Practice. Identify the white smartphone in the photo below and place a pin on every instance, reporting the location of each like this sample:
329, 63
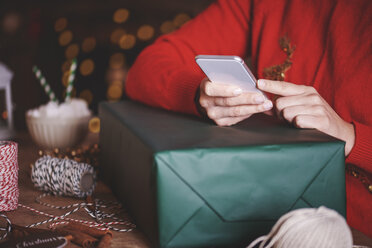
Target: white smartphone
228, 70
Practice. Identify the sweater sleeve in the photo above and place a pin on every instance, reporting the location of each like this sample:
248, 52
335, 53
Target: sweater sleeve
361, 154
165, 73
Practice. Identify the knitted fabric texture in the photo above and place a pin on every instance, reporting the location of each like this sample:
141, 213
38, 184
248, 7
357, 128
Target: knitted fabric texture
307, 228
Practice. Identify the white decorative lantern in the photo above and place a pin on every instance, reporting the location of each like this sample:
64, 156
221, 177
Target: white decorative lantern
5, 84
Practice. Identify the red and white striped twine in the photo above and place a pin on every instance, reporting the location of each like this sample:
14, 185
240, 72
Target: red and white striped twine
9, 192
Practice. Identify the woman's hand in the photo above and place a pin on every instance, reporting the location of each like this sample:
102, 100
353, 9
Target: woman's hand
305, 108
227, 104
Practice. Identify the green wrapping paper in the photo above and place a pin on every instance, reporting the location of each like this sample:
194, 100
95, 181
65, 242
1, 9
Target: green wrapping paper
189, 183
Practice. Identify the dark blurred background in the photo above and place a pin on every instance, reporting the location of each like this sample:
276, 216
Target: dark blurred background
104, 36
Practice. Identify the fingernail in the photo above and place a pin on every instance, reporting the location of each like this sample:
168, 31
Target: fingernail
237, 91
259, 99
261, 83
268, 105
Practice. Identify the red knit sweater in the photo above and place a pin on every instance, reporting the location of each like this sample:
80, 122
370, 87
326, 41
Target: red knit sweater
333, 53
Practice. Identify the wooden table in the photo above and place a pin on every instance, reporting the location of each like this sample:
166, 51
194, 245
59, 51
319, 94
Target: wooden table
28, 154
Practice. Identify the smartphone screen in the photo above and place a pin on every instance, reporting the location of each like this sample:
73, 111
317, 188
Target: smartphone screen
228, 70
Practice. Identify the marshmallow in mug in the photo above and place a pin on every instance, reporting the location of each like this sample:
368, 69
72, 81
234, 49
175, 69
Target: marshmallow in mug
74, 108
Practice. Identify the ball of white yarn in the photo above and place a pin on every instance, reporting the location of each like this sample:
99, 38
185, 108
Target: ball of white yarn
308, 228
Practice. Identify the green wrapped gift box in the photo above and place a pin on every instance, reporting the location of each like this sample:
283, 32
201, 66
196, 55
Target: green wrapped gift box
189, 183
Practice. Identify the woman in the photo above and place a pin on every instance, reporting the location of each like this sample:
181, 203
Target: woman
318, 52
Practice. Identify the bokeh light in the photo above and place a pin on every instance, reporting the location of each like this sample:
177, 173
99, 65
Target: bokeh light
121, 15
89, 44
116, 35
118, 74
86, 95
167, 27
86, 67
114, 92
118, 83
4, 115
94, 125
127, 41
181, 19
60, 24
66, 66
65, 78
145, 32
11, 22
65, 38
72, 51
117, 60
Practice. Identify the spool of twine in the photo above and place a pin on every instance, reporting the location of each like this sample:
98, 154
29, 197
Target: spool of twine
9, 192
308, 228
63, 177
